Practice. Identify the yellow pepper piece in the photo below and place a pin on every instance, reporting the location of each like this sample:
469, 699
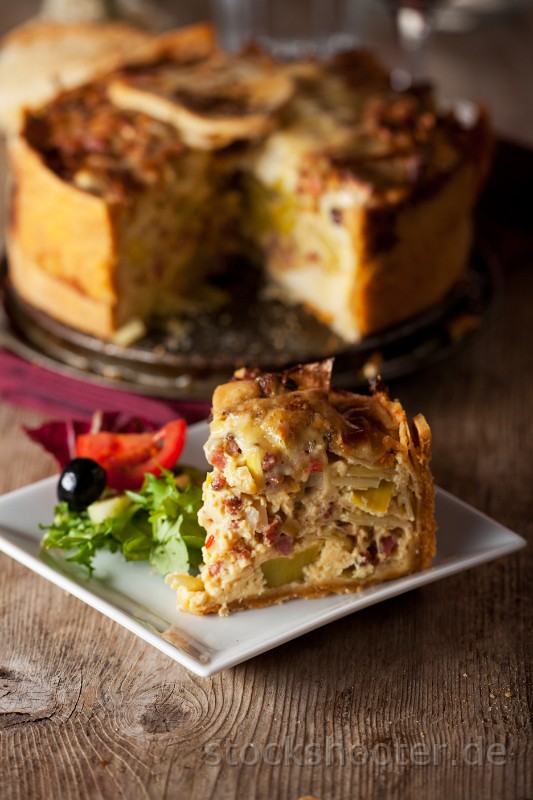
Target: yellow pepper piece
253, 462
375, 501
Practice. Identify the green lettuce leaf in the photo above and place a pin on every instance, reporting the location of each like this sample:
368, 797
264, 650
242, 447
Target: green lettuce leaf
160, 526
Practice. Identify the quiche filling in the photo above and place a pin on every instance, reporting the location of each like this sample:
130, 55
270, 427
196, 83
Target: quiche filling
313, 490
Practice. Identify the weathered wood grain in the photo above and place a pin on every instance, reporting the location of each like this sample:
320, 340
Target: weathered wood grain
88, 711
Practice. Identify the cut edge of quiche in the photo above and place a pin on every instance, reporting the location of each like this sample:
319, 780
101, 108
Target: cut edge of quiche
314, 490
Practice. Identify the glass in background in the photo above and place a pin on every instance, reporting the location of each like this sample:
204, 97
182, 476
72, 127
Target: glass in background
417, 20
288, 28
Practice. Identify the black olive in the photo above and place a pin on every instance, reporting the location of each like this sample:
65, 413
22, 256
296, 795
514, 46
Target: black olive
81, 483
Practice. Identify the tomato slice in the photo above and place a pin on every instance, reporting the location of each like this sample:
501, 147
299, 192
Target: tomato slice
126, 457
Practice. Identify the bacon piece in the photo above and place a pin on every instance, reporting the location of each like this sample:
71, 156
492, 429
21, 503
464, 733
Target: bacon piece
241, 552
371, 554
233, 503
269, 461
276, 538
217, 459
218, 482
231, 447
274, 480
272, 532
284, 544
388, 545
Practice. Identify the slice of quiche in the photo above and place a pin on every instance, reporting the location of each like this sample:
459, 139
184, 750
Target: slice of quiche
314, 490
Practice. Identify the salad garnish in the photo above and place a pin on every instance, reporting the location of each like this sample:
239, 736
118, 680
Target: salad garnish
121, 490
158, 524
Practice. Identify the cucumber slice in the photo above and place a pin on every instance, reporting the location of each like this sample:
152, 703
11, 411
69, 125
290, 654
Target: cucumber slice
108, 509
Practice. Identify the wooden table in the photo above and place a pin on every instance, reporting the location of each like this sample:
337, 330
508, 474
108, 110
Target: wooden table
402, 700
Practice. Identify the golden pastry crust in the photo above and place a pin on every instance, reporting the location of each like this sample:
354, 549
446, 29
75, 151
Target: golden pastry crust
93, 193
66, 234
314, 491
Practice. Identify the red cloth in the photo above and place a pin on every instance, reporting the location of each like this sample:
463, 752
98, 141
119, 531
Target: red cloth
61, 397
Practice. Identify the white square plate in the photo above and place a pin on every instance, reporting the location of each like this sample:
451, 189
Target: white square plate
136, 597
